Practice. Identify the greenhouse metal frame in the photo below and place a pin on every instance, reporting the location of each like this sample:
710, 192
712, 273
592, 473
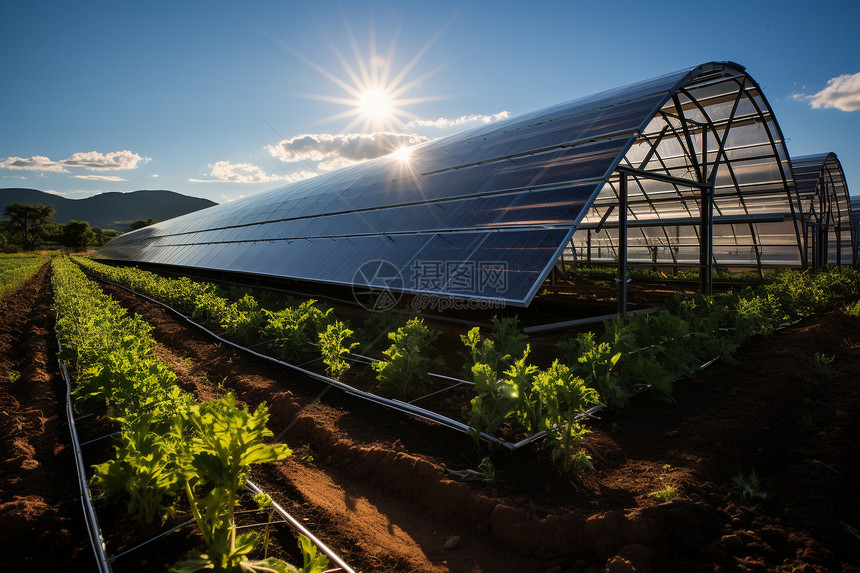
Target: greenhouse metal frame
828, 233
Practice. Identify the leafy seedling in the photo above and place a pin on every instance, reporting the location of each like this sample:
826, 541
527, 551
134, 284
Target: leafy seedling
667, 491
822, 366
751, 487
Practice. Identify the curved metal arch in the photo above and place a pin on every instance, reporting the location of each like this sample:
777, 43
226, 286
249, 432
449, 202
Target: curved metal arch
825, 207
760, 112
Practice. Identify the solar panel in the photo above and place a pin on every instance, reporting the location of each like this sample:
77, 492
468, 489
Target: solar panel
485, 212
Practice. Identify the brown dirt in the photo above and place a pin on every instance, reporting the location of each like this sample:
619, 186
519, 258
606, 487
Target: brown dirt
374, 484
40, 513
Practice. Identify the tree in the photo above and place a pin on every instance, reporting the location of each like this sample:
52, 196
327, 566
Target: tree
141, 223
78, 235
28, 223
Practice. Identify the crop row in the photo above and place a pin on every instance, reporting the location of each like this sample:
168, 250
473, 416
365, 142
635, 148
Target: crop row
16, 269
170, 450
512, 395
643, 352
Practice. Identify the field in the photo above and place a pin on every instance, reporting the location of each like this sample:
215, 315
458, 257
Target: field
750, 466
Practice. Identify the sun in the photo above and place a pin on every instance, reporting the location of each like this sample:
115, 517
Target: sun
375, 89
375, 104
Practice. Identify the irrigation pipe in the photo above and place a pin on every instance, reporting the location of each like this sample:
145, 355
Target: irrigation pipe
397, 405
92, 522
94, 530
301, 529
151, 539
408, 408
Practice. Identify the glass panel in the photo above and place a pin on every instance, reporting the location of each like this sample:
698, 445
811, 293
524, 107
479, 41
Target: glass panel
432, 267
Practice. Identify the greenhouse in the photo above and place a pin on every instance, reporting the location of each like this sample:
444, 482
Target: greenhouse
828, 235
687, 169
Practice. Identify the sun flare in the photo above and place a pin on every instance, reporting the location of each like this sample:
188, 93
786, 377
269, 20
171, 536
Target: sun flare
402, 154
374, 88
375, 104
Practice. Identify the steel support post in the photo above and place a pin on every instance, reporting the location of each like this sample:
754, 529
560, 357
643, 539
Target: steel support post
854, 239
622, 244
805, 258
838, 246
822, 245
588, 247
816, 255
706, 241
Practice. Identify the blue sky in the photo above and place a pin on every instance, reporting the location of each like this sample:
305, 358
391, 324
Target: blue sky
226, 99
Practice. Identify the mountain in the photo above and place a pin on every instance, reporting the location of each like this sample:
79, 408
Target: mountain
109, 210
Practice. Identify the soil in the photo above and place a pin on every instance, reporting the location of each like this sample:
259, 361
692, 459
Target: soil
40, 513
374, 484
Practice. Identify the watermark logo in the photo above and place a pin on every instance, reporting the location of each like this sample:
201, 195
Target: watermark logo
447, 285
467, 277
442, 303
377, 285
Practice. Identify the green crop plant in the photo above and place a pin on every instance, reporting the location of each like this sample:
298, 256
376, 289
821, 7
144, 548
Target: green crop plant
667, 491
647, 369
313, 561
853, 309
334, 344
226, 440
145, 468
209, 307
407, 364
509, 338
596, 365
291, 329
487, 468
822, 366
496, 400
757, 315
480, 350
264, 505
751, 487
564, 395
243, 319
111, 353
528, 404
320, 318
499, 351
665, 494
166, 444
15, 270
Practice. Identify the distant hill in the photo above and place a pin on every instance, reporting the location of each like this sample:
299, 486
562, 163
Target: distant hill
109, 210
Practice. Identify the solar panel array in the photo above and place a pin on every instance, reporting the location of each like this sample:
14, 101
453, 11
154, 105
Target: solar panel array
487, 213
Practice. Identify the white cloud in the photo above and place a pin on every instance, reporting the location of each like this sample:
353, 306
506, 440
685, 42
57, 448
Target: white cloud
842, 92
341, 150
155, 175
115, 160
35, 163
78, 193
100, 177
227, 172
90, 160
443, 122
82, 193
